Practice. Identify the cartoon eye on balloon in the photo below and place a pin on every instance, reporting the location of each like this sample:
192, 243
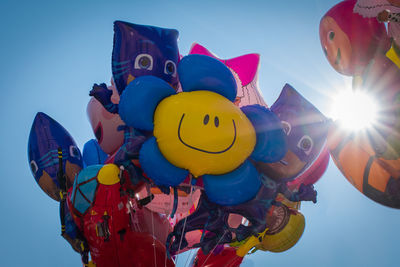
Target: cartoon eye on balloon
286, 127
201, 131
306, 144
144, 61
170, 68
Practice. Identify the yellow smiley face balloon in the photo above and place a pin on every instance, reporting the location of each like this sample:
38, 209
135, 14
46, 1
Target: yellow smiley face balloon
212, 138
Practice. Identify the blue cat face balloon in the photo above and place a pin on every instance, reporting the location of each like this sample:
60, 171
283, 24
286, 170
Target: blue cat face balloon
306, 129
144, 50
45, 138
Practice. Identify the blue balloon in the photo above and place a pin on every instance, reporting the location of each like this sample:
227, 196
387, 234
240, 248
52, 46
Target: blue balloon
200, 72
93, 154
156, 166
140, 99
233, 188
271, 143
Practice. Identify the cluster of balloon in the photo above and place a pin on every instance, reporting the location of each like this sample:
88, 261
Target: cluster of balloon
101, 210
305, 130
199, 162
357, 44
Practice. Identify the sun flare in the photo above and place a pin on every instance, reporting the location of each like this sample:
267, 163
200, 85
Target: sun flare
354, 110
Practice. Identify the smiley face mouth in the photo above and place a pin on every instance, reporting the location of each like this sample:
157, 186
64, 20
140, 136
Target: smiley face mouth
202, 150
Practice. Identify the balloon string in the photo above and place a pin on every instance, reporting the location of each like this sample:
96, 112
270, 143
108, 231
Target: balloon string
191, 201
154, 243
184, 223
214, 248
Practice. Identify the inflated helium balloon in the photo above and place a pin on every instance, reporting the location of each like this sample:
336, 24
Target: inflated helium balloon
131, 58
201, 132
374, 176
306, 130
105, 124
118, 229
93, 154
285, 228
225, 258
349, 40
245, 70
47, 136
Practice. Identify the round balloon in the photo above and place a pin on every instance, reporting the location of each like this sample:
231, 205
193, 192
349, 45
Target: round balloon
350, 41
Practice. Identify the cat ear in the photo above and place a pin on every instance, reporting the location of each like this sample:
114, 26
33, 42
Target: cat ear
289, 97
172, 33
302, 111
201, 50
245, 66
200, 72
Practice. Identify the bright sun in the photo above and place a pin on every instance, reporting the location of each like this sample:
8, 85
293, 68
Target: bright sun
354, 110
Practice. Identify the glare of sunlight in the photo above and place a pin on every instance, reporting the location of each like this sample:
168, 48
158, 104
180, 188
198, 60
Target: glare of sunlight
354, 110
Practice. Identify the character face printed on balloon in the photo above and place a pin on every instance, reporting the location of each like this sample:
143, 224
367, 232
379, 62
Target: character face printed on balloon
349, 40
144, 50
211, 134
306, 129
45, 138
336, 44
105, 124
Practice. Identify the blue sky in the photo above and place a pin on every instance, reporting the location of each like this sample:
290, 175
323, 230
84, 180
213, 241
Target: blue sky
51, 54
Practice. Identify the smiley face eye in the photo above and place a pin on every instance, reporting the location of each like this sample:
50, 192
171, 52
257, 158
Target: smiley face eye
144, 62
331, 35
286, 127
306, 144
34, 167
206, 119
216, 121
170, 68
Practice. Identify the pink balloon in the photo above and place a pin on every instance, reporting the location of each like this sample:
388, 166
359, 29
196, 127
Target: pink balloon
245, 70
104, 124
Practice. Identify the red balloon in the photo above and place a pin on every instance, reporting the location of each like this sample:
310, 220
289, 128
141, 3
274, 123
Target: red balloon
119, 232
226, 258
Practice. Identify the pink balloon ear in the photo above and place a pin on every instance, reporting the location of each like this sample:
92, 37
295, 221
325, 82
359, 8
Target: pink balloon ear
201, 50
245, 66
